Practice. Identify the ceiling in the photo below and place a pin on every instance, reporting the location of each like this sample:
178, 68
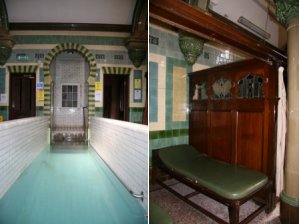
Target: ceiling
116, 12
258, 12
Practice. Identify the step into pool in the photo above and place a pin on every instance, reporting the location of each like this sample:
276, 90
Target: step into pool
69, 186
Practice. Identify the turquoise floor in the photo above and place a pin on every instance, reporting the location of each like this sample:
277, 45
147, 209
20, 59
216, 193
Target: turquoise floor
69, 186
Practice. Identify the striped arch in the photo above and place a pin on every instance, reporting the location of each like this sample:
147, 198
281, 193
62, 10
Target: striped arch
91, 79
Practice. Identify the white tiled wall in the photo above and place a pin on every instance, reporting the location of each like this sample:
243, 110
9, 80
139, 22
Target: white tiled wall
68, 117
20, 142
124, 147
69, 69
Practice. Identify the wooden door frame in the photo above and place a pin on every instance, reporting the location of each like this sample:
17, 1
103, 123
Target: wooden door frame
126, 93
33, 94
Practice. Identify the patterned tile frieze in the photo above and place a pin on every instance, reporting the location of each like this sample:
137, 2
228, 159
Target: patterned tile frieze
59, 39
117, 70
22, 68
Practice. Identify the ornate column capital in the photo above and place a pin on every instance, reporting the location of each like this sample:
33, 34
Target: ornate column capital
137, 49
191, 46
6, 41
6, 45
286, 10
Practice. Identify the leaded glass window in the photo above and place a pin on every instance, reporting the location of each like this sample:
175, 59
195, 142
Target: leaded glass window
222, 89
69, 95
251, 86
200, 91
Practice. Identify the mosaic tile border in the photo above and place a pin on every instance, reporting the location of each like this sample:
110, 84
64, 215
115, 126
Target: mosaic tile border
168, 133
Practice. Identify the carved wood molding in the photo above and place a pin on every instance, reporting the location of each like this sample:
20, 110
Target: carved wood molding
178, 14
71, 27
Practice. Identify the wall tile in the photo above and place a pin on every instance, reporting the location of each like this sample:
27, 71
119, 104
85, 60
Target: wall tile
20, 142
124, 146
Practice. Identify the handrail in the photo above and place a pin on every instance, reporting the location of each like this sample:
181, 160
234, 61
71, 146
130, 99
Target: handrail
141, 195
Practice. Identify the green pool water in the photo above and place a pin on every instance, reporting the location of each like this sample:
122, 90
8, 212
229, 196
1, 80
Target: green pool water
69, 186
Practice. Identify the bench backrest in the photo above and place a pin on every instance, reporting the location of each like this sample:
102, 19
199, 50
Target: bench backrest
232, 114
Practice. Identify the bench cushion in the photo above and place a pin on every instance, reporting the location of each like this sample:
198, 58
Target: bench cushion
227, 180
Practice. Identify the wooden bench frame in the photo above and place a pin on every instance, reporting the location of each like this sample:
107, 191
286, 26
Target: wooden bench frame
233, 205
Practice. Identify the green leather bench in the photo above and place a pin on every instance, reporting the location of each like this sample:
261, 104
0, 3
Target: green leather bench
157, 215
230, 184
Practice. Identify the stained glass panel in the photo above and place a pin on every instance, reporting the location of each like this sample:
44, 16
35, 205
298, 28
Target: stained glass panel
222, 89
200, 91
251, 86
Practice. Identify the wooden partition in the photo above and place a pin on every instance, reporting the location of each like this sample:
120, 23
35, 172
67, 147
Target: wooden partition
232, 114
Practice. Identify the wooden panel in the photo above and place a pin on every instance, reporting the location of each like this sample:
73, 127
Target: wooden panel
239, 130
220, 136
250, 140
198, 131
246, 120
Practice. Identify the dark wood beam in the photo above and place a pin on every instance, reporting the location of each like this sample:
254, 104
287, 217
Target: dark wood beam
140, 17
71, 27
178, 14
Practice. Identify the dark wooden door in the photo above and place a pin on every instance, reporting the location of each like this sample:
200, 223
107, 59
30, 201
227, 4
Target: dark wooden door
116, 97
21, 96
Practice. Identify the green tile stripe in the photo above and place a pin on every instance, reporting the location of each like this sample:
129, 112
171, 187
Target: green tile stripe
168, 133
84, 40
92, 66
22, 68
136, 109
117, 70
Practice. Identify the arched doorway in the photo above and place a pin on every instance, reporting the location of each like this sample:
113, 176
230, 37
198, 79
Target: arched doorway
69, 92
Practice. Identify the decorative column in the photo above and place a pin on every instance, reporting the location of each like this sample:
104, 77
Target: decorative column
6, 41
287, 12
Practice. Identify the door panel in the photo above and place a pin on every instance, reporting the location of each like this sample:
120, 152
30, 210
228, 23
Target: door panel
116, 95
22, 96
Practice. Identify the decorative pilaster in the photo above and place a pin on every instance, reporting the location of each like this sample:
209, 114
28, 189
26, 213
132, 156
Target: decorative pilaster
287, 12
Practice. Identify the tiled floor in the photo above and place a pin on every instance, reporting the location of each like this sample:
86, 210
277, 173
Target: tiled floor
183, 213
69, 186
